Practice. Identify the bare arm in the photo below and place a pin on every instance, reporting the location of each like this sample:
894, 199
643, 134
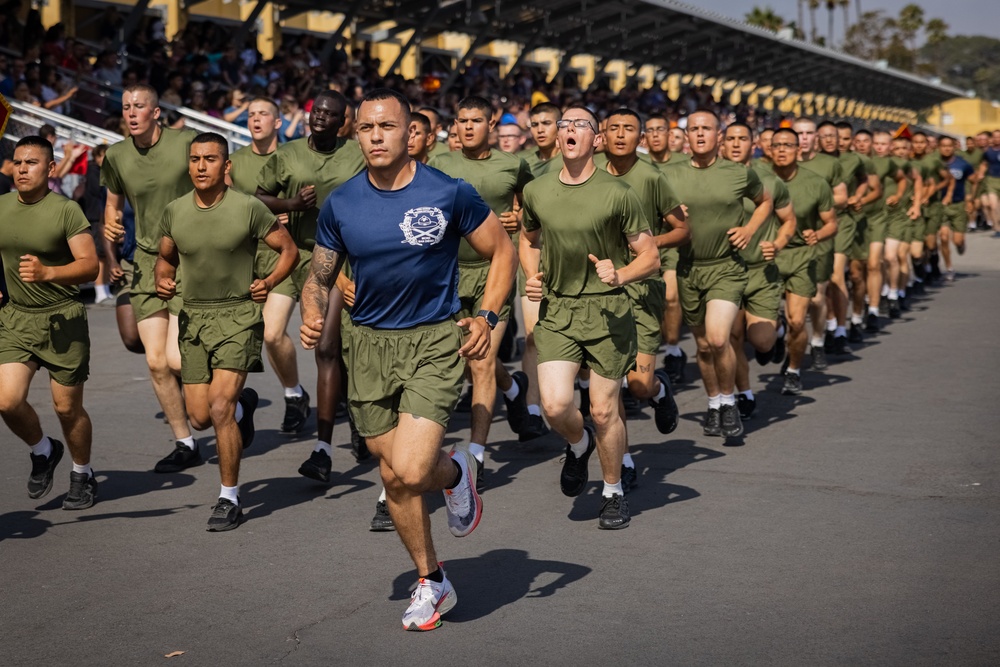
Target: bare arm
840, 196
82, 269
740, 237
323, 271
829, 228
874, 190
304, 200
680, 233
114, 230
786, 232
530, 254
491, 241
235, 113
165, 270
279, 240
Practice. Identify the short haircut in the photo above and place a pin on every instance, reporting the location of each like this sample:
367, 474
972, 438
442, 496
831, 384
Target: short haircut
213, 138
476, 103
945, 137
382, 94
581, 107
426, 110
880, 133
336, 97
269, 101
46, 130
545, 107
918, 134
154, 97
422, 120
803, 119
766, 130
710, 112
625, 111
865, 132
743, 125
98, 151
786, 130
826, 123
657, 116
844, 125
37, 142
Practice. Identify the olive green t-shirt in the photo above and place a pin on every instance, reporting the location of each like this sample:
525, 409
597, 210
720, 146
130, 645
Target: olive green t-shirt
853, 168
246, 169
932, 167
601, 159
714, 199
811, 195
974, 157
673, 157
537, 165
761, 165
885, 168
497, 178
826, 166
595, 217
42, 229
295, 165
655, 195
150, 178
217, 245
752, 254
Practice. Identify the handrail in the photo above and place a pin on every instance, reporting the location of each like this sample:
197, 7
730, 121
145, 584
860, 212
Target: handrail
67, 124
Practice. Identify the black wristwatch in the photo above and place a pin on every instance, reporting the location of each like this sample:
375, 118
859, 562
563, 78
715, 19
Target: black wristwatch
491, 318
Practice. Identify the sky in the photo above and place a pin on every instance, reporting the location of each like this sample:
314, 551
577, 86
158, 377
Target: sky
965, 17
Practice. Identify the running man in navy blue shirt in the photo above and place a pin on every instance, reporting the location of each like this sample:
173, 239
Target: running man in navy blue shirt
989, 182
399, 224
959, 208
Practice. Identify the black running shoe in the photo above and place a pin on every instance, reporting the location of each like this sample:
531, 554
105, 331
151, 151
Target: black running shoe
296, 413
630, 479
883, 307
317, 466
894, 311
42, 470
517, 410
585, 402
534, 427
764, 358
918, 288
819, 362
713, 422
871, 323
359, 446
665, 412
840, 347
732, 425
382, 522
82, 491
632, 405
793, 384
854, 335
480, 476
614, 513
574, 474
181, 458
904, 303
747, 406
779, 347
828, 342
226, 515
248, 399
674, 366
464, 404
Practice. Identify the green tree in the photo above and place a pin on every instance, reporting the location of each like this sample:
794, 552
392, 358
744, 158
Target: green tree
868, 38
966, 62
911, 20
765, 18
813, 6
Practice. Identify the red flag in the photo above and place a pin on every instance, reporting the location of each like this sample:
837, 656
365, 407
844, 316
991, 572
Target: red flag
5, 114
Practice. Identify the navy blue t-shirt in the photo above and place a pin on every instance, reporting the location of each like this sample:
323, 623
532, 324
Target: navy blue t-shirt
960, 171
402, 245
992, 157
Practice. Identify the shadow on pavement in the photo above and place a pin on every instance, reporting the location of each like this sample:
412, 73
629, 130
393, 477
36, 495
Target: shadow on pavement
26, 524
263, 497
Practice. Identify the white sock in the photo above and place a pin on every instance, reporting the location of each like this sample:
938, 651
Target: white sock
580, 448
612, 489
477, 450
840, 332
624, 383
188, 442
793, 371
857, 319
511, 394
101, 292
230, 493
661, 393
831, 324
885, 290
893, 294
627, 461
715, 402
748, 393
873, 310
324, 447
673, 350
534, 409
43, 447
294, 392
84, 469
584, 384
381, 496
239, 412
816, 341
727, 399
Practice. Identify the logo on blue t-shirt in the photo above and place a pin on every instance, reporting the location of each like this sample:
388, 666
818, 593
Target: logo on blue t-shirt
423, 226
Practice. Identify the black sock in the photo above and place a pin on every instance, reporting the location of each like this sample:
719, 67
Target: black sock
458, 475
437, 576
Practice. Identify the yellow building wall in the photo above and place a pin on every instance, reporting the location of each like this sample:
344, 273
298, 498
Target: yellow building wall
965, 117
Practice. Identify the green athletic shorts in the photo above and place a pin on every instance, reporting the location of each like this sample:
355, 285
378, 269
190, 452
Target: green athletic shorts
859, 251
472, 288
933, 218
762, 297
416, 371
878, 224
142, 290
124, 293
723, 279
267, 259
669, 259
899, 225
55, 337
955, 217
797, 267
649, 299
824, 260
847, 226
226, 334
596, 330
992, 185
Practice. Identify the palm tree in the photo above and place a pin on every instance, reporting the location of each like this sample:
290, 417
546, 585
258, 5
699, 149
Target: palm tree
765, 18
813, 6
830, 6
857, 4
846, 6
800, 25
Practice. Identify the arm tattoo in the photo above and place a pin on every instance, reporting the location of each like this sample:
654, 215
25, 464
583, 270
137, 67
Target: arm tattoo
323, 272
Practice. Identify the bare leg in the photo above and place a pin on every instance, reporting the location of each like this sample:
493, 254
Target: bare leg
154, 333
328, 368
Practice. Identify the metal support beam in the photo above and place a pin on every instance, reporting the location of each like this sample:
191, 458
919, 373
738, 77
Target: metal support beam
563, 64
525, 50
418, 34
337, 38
481, 38
132, 23
241, 34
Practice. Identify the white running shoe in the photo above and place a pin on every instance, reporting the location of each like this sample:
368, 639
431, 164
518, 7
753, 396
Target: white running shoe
465, 507
428, 603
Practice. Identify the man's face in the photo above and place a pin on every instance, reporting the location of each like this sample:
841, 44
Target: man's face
263, 121
139, 113
829, 142
920, 145
418, 141
863, 144
947, 148
576, 141
454, 142
657, 135
474, 127
326, 117
844, 139
348, 128
383, 132
784, 149
995, 139
703, 133
675, 140
807, 136
882, 144
736, 144
982, 140
765, 141
932, 144
206, 166
543, 129
32, 168
510, 138
622, 135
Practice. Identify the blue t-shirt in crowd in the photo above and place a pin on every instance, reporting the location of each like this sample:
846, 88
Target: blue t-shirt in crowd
402, 245
128, 242
992, 157
960, 171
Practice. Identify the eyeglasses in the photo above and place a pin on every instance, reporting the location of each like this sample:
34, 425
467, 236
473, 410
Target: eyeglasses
779, 146
579, 124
